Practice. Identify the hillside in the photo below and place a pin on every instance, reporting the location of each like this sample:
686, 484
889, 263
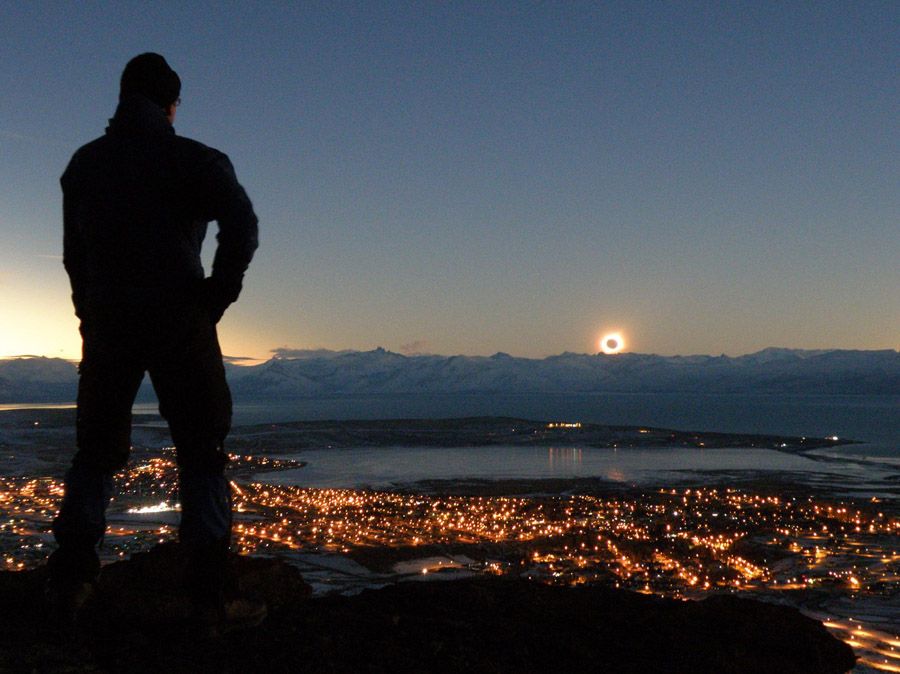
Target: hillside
137, 624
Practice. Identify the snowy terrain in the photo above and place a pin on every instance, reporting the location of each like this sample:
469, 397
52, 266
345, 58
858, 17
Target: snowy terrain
322, 372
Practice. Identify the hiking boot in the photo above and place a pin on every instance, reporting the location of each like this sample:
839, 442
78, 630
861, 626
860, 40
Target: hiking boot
232, 616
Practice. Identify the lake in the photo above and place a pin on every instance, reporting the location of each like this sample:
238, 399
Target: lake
389, 467
874, 419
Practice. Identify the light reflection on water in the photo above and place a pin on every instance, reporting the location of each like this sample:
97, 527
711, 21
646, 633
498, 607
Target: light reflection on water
563, 459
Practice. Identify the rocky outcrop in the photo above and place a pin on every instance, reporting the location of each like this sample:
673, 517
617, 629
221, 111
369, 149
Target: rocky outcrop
136, 623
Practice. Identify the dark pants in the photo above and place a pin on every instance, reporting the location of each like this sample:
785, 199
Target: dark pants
176, 343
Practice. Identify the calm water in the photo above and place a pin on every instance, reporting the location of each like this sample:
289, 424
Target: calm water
874, 419
386, 467
864, 469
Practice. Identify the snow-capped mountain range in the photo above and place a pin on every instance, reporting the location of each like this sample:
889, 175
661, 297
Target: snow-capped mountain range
333, 373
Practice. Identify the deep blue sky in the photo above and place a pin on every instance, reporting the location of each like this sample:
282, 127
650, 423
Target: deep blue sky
479, 177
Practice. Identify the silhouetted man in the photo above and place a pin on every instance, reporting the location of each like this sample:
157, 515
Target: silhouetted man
136, 203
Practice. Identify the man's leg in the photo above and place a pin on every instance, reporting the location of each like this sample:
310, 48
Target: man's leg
189, 379
108, 383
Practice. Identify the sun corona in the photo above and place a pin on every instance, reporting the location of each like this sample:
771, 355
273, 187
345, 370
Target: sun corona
612, 343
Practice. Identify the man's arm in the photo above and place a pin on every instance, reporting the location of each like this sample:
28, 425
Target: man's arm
237, 237
73, 250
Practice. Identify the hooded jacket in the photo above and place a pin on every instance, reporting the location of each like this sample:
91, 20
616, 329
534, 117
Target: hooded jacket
136, 204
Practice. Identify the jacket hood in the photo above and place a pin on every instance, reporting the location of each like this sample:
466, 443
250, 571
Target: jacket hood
138, 115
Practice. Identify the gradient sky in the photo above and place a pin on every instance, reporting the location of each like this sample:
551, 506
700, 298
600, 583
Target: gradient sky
476, 177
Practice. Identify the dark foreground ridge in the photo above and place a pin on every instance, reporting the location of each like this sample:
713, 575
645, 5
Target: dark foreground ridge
137, 623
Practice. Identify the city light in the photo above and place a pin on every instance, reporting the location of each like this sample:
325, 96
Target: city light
679, 543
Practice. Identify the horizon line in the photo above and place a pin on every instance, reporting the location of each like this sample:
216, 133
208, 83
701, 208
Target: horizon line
301, 354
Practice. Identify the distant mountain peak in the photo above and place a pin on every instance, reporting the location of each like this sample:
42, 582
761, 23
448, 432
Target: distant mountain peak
322, 372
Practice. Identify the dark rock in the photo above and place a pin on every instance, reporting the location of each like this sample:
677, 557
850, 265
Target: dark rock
137, 624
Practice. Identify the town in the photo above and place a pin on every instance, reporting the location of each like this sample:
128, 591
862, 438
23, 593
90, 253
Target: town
815, 553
